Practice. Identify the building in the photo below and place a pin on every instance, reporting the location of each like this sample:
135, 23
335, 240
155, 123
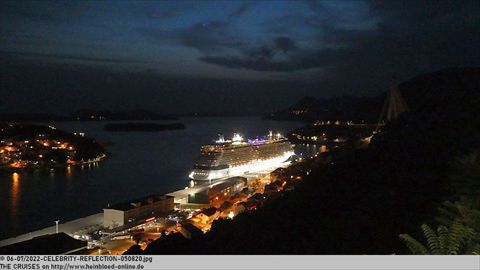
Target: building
137, 210
208, 215
190, 231
273, 187
219, 192
240, 208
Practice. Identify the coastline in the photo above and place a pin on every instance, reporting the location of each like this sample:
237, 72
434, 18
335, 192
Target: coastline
70, 227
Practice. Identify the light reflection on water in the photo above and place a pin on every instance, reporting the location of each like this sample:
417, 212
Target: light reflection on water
15, 192
140, 163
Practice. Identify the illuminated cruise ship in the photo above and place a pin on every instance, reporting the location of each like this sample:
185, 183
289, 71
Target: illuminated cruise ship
235, 157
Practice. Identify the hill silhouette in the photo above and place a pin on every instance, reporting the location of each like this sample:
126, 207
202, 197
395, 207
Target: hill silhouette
362, 201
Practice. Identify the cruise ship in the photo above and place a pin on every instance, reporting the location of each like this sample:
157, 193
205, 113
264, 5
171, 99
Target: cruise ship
235, 157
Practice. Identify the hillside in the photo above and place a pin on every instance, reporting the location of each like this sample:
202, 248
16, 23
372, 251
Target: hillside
423, 93
363, 201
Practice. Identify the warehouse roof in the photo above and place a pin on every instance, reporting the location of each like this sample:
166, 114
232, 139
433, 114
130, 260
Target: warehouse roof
139, 202
59, 243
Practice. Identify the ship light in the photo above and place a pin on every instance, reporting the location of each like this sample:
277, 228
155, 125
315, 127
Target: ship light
221, 139
237, 137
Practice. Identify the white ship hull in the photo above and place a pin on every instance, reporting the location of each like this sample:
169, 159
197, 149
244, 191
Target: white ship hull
251, 167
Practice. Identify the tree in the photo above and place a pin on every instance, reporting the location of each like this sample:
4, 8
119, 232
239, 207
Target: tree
465, 178
137, 238
466, 211
456, 239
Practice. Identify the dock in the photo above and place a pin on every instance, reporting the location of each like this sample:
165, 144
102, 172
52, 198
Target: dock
76, 228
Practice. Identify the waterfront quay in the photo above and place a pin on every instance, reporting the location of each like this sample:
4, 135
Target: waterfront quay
104, 239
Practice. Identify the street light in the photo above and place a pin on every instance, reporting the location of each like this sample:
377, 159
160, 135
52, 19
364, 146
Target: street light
56, 225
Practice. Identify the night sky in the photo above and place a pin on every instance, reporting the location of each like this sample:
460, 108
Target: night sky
182, 56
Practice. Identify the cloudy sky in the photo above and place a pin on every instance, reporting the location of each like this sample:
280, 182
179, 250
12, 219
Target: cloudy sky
334, 47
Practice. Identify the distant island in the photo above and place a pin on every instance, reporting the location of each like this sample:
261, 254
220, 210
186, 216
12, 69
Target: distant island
26, 146
132, 115
150, 127
87, 115
108, 115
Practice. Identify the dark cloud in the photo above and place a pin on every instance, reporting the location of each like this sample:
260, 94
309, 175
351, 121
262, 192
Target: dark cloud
46, 11
263, 58
207, 37
409, 38
300, 61
285, 44
262, 52
243, 8
258, 64
61, 57
358, 44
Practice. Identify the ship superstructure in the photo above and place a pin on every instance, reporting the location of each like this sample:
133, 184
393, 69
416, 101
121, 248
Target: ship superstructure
235, 157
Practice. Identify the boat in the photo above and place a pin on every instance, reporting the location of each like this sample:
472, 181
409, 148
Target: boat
236, 157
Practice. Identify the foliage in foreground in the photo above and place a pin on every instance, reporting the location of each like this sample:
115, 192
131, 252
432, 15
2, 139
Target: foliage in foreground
459, 229
456, 239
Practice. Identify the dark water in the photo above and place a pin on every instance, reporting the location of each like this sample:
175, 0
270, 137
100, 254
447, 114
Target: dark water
141, 163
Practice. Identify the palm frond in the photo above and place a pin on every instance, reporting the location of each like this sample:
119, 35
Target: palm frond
414, 246
432, 239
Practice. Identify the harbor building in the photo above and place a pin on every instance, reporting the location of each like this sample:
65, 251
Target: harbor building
122, 214
219, 192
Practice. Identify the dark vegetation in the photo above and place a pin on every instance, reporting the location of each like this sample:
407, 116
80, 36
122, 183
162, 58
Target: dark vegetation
364, 199
143, 126
345, 108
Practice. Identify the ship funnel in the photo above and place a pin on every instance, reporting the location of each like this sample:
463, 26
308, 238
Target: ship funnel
237, 137
221, 139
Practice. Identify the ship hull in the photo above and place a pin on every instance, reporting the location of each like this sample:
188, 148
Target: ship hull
251, 167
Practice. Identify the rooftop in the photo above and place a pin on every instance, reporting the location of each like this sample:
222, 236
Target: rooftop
209, 211
124, 206
59, 243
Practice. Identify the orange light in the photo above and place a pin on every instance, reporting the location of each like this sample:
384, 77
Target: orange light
18, 165
10, 148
